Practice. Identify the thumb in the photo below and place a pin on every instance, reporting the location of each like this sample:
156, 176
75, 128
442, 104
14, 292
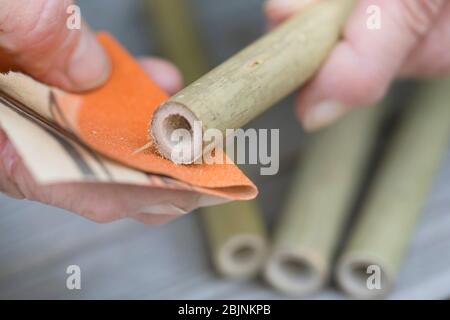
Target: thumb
35, 34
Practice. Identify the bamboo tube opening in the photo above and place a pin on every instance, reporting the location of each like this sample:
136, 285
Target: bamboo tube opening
241, 256
253, 80
355, 277
169, 118
295, 273
244, 254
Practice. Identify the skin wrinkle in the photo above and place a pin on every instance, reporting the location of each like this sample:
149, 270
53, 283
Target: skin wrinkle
417, 16
41, 44
434, 47
45, 34
42, 40
5, 17
67, 46
21, 22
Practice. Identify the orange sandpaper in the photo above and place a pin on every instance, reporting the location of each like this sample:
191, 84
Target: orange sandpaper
114, 120
6, 62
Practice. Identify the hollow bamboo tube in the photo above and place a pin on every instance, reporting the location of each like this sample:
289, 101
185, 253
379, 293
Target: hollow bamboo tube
243, 87
394, 203
235, 232
236, 237
321, 196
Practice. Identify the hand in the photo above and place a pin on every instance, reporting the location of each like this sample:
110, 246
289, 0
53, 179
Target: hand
414, 41
34, 34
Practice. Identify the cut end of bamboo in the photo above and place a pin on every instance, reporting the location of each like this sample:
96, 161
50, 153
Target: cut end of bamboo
168, 118
242, 256
356, 276
296, 273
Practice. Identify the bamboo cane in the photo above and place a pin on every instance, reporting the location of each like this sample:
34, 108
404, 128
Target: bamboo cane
236, 237
321, 197
178, 36
243, 87
235, 232
394, 204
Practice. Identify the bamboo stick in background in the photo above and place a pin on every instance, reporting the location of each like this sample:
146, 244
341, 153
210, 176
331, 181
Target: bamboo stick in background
177, 34
235, 232
321, 197
236, 237
394, 203
256, 78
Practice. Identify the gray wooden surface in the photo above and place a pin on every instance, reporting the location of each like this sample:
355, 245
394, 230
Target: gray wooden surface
128, 260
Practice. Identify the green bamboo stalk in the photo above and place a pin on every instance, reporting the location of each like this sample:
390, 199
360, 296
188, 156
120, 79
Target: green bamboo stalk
237, 238
397, 195
235, 232
321, 197
178, 36
253, 80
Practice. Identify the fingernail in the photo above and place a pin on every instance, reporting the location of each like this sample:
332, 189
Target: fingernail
323, 114
163, 209
89, 65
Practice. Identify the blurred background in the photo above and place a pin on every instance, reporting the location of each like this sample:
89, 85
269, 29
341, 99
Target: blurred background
128, 260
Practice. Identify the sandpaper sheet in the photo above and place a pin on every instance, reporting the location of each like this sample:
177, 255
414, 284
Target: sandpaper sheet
103, 128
